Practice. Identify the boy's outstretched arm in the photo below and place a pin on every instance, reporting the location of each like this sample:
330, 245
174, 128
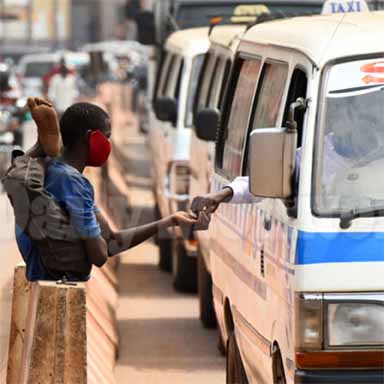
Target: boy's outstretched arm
120, 241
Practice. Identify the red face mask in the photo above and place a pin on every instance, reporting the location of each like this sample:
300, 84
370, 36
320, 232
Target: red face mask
99, 149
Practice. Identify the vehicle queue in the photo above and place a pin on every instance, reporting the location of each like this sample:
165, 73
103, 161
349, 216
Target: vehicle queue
293, 273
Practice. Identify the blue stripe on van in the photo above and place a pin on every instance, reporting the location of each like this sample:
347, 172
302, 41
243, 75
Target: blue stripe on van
315, 248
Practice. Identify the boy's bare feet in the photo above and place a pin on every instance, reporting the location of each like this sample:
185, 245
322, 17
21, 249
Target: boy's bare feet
47, 125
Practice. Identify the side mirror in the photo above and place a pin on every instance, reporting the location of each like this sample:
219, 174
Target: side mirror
166, 109
146, 30
206, 123
272, 156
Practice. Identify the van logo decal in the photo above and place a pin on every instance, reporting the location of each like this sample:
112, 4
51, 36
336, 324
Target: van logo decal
374, 72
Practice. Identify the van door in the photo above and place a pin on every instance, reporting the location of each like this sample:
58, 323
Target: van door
161, 133
275, 223
227, 261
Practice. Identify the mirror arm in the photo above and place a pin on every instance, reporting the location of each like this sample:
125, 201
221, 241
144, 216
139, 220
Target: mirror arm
300, 104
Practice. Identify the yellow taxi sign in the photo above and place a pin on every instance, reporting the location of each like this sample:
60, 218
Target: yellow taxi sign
248, 13
344, 6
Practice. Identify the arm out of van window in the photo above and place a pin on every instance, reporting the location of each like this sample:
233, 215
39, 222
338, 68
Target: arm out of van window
116, 242
236, 192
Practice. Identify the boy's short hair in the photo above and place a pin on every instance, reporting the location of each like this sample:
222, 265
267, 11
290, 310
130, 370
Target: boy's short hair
80, 118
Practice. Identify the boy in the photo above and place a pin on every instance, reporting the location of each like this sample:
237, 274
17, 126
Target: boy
85, 130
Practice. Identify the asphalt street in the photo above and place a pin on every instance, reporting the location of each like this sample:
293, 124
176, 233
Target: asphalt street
161, 338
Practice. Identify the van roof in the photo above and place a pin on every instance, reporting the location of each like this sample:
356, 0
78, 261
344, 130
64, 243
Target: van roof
280, 2
189, 42
224, 35
326, 37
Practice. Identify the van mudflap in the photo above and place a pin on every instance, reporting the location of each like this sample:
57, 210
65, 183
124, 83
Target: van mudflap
341, 376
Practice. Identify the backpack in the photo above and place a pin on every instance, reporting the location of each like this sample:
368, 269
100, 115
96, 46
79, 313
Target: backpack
43, 219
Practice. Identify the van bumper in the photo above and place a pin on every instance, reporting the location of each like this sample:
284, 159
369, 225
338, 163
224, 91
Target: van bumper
339, 376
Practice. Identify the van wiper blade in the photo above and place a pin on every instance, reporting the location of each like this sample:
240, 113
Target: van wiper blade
347, 217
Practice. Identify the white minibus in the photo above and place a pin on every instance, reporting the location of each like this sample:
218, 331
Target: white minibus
297, 275
169, 142
215, 73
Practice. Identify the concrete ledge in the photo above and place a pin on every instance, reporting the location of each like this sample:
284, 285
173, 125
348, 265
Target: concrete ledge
20, 302
56, 343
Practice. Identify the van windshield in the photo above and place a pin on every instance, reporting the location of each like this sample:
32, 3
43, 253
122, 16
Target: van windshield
350, 148
38, 68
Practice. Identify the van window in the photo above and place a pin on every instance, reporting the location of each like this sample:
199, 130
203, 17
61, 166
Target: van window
206, 79
38, 68
269, 97
197, 64
227, 72
217, 82
172, 84
271, 90
350, 140
235, 131
165, 73
297, 88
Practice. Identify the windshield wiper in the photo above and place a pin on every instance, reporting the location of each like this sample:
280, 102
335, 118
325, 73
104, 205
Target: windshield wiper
347, 217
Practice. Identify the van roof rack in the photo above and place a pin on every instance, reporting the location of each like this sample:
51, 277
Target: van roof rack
262, 18
277, 15
223, 20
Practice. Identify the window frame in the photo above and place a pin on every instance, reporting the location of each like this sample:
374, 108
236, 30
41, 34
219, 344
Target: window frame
164, 74
217, 82
186, 113
202, 81
171, 88
318, 149
279, 117
235, 72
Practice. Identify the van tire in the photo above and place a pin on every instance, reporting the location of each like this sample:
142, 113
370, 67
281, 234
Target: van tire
204, 289
184, 269
220, 343
235, 369
165, 254
278, 368
164, 242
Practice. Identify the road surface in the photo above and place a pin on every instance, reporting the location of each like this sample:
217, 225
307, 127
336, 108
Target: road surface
161, 339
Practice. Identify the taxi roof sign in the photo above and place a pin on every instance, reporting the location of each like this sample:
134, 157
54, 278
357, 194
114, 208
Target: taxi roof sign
344, 6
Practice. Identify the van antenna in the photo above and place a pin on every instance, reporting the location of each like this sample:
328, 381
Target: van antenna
333, 35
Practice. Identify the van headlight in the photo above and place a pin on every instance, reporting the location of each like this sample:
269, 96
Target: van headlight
355, 324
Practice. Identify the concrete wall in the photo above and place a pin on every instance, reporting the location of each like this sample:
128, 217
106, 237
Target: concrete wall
9, 258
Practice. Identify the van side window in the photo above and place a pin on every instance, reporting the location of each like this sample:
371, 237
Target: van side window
172, 82
235, 131
208, 69
297, 88
165, 73
227, 71
217, 81
197, 64
269, 97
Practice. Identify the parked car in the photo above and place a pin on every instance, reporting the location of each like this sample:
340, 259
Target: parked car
33, 69
297, 275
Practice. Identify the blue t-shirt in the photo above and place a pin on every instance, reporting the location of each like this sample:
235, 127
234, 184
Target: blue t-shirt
75, 195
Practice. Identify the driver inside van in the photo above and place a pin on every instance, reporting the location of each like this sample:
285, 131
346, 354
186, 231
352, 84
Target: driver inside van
350, 139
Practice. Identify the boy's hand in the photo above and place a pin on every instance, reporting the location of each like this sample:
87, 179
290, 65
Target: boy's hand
47, 123
195, 223
183, 219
